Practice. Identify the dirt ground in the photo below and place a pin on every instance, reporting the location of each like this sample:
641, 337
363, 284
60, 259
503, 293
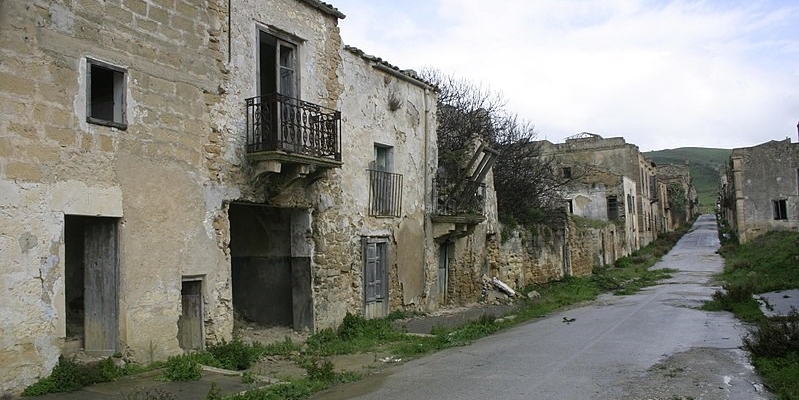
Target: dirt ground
284, 368
363, 363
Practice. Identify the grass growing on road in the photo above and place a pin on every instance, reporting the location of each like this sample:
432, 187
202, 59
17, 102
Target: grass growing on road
767, 263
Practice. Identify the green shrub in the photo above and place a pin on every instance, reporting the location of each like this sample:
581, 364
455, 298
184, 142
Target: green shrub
318, 369
182, 368
236, 354
67, 376
774, 338
623, 262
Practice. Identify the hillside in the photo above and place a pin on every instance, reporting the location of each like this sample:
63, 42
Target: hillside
705, 165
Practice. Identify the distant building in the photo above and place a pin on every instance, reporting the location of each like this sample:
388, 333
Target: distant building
616, 156
760, 191
681, 199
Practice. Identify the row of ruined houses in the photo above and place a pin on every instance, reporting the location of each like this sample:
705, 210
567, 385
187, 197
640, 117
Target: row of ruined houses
759, 189
171, 167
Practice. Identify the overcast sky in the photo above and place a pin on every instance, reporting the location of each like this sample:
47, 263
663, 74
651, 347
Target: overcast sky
662, 74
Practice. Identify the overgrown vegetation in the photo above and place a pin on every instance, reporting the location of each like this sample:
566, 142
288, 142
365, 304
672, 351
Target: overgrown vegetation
69, 376
765, 264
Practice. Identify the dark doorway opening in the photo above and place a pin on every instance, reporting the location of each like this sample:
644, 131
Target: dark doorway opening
271, 265
91, 283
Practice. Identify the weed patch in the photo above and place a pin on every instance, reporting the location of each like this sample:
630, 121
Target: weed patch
69, 376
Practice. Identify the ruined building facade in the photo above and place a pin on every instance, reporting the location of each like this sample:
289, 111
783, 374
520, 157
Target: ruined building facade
760, 189
587, 151
167, 168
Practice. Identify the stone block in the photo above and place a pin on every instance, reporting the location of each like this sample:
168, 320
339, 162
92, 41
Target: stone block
136, 6
44, 155
146, 25
119, 14
106, 143
187, 9
183, 24
6, 148
158, 15
63, 136
18, 85
23, 172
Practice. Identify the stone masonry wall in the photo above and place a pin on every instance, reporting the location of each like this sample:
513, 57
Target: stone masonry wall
152, 175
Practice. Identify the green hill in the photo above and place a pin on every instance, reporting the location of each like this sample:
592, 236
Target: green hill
706, 165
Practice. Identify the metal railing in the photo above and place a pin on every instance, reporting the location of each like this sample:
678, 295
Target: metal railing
456, 197
385, 193
278, 122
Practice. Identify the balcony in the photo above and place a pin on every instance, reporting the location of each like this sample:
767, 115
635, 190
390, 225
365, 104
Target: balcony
385, 194
283, 130
458, 208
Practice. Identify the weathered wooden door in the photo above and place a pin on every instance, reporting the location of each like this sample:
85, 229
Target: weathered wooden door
375, 278
101, 328
190, 323
443, 267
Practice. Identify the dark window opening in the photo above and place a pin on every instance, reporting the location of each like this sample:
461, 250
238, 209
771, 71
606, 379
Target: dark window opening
105, 95
567, 172
613, 208
780, 209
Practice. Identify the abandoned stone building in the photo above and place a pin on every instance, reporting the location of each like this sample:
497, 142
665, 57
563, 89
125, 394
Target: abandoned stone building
169, 168
605, 196
681, 201
619, 157
760, 189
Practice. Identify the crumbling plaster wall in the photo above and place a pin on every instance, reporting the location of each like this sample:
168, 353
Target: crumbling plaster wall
152, 175
370, 117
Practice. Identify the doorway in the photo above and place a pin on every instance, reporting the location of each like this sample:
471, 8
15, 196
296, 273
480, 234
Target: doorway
444, 254
190, 322
375, 277
91, 283
271, 265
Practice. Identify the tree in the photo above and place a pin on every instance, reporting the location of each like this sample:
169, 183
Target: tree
524, 179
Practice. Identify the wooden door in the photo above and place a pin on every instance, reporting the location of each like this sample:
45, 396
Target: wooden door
101, 327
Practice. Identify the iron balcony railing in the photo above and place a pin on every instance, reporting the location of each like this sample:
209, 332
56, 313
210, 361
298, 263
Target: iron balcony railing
457, 197
385, 193
278, 122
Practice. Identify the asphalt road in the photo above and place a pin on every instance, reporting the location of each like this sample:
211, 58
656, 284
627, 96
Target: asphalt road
652, 345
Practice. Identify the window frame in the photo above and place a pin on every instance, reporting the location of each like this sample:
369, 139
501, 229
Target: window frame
780, 209
282, 40
120, 78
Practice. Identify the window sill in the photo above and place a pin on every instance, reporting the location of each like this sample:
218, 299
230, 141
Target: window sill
96, 121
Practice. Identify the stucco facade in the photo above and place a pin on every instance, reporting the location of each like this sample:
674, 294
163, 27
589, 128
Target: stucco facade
760, 192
